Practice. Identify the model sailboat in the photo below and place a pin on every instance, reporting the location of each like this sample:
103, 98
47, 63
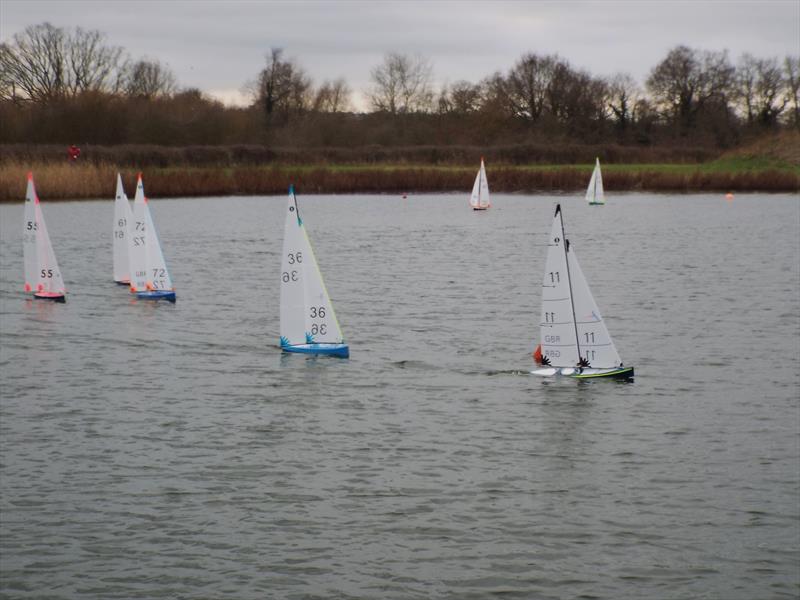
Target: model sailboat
122, 216
479, 200
149, 277
308, 321
42, 275
574, 339
594, 193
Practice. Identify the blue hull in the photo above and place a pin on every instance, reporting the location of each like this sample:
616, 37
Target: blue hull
167, 295
340, 350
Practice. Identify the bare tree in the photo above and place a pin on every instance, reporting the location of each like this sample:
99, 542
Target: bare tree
461, 98
401, 85
282, 88
623, 94
746, 74
687, 80
93, 66
149, 79
44, 62
332, 97
791, 69
34, 64
761, 86
527, 85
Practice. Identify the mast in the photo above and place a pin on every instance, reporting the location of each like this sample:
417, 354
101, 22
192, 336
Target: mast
569, 281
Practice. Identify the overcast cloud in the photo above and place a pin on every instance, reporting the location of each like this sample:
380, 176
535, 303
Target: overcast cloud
219, 46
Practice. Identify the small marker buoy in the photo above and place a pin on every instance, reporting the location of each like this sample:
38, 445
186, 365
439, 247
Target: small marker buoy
729, 196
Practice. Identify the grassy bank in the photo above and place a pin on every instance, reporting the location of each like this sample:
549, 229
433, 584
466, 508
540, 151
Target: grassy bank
59, 181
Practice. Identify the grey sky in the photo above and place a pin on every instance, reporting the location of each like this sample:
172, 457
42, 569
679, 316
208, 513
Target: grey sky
218, 46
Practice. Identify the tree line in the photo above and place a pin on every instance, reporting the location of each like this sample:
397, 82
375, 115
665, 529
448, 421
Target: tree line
63, 86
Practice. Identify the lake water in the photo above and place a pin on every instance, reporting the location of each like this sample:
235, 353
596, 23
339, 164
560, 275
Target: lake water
172, 451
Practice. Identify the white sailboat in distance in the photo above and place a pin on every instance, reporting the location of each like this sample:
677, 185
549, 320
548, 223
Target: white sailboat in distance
594, 193
42, 275
308, 321
574, 341
479, 200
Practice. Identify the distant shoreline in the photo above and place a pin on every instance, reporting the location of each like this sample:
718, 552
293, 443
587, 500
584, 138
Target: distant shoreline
63, 181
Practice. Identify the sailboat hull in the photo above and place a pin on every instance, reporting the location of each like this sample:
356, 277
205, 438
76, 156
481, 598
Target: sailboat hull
340, 350
480, 208
52, 296
167, 295
586, 373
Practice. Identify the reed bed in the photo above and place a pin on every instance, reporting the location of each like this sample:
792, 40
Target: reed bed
62, 181
143, 156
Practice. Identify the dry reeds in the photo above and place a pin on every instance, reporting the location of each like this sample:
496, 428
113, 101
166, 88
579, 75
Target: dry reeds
58, 181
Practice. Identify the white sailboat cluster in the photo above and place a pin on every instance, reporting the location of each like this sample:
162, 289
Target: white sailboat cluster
479, 200
573, 337
42, 275
138, 258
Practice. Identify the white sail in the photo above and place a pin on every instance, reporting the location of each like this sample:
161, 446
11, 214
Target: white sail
594, 193
137, 240
480, 190
122, 215
29, 228
557, 326
42, 274
307, 315
157, 274
595, 343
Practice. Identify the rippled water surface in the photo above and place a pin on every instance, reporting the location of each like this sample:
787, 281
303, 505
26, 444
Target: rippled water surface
172, 451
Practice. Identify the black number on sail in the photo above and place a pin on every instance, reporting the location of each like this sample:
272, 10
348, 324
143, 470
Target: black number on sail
549, 317
47, 273
122, 222
317, 312
589, 339
139, 226
159, 273
33, 226
295, 257
119, 234
319, 329
555, 277
287, 276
